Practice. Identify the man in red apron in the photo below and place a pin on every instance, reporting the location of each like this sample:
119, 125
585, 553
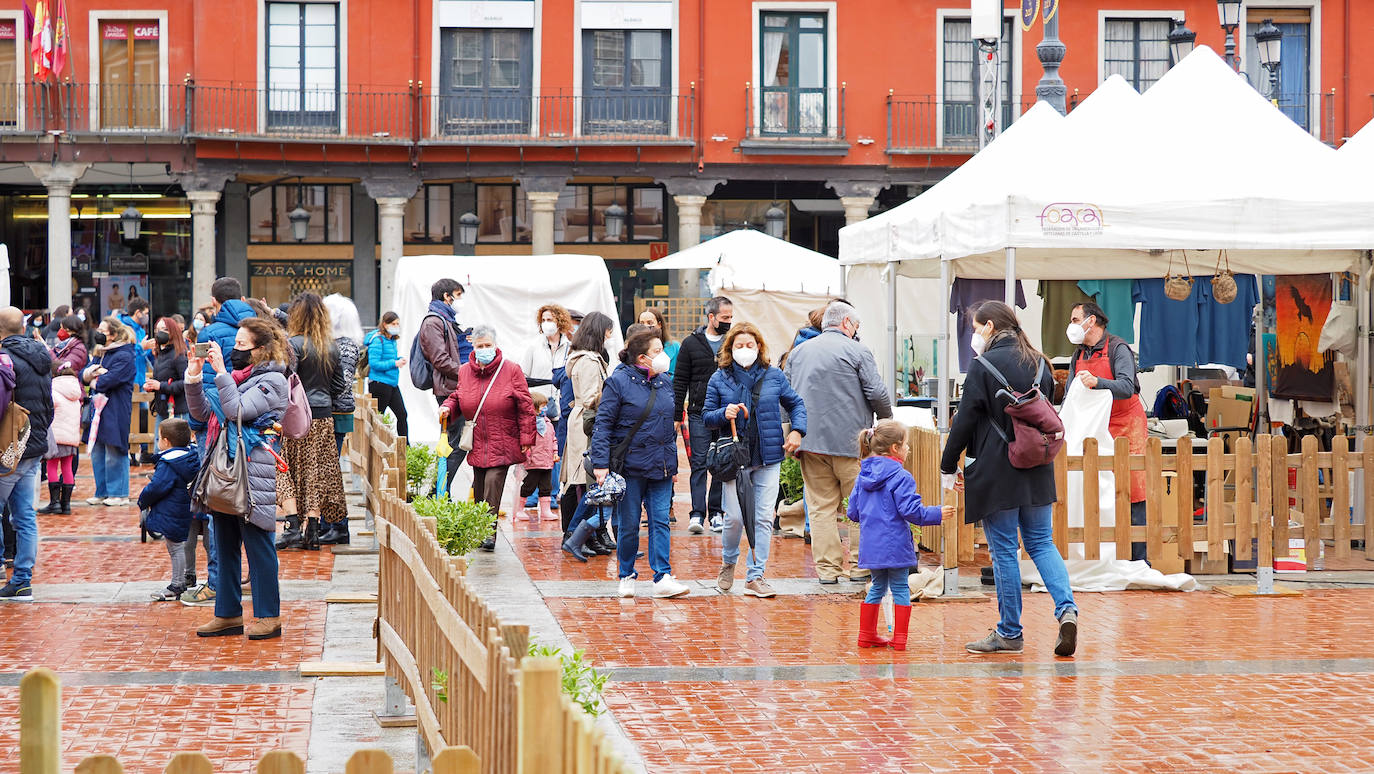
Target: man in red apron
1105, 362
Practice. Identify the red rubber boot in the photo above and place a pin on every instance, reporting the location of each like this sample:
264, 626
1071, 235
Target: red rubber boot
901, 617
868, 627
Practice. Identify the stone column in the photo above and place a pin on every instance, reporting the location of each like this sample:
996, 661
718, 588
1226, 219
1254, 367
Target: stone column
390, 223
59, 178
203, 205
542, 205
689, 196
856, 208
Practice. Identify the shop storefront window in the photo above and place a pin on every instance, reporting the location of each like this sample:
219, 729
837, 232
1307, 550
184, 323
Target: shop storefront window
281, 281
721, 216
330, 208
580, 215
429, 215
502, 214
130, 94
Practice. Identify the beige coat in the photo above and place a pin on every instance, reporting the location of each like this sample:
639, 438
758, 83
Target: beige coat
588, 372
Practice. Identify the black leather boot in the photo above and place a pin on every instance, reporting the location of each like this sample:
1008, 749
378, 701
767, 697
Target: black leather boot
66, 508
575, 544
310, 540
291, 536
54, 499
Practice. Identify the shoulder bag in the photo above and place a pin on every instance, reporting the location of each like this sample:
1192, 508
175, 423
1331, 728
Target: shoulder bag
1037, 432
622, 449
729, 453
222, 486
465, 440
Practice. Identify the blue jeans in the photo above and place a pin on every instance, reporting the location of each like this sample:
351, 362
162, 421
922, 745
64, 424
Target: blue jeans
705, 499
765, 480
1036, 532
17, 491
211, 554
230, 533
655, 498
110, 464
893, 579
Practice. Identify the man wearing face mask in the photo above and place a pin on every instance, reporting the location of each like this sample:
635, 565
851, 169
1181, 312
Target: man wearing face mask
445, 346
838, 381
1105, 362
696, 363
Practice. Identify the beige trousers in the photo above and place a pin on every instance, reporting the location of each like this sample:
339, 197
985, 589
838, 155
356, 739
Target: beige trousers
828, 480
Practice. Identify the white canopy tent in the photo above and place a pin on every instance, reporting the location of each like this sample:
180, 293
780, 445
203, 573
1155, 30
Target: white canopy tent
504, 291
773, 283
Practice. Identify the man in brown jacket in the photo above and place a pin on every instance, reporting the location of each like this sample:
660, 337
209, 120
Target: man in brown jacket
445, 345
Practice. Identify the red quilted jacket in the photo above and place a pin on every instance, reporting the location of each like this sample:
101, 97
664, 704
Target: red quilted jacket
506, 422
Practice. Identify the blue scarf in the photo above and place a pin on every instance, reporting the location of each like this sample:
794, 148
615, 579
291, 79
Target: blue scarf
745, 379
443, 310
253, 434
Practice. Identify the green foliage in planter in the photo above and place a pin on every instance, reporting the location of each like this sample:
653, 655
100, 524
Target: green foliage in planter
582, 683
462, 526
387, 418
790, 480
420, 462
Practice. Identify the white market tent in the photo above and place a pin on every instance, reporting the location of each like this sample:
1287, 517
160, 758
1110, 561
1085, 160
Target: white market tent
504, 291
1185, 170
773, 283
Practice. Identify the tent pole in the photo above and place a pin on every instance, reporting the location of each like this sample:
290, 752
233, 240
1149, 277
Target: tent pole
1260, 365
951, 579
1009, 293
892, 328
1362, 386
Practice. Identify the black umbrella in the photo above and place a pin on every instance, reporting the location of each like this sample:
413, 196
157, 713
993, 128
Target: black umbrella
744, 485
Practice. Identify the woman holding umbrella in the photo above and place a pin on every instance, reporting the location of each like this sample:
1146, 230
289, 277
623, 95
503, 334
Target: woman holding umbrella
747, 396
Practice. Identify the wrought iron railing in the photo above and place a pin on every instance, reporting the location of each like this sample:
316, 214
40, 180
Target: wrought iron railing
787, 112
300, 114
79, 108
559, 118
926, 123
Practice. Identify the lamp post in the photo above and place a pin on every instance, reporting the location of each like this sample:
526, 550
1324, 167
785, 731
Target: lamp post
774, 221
1181, 41
467, 229
129, 221
987, 33
1229, 13
1267, 40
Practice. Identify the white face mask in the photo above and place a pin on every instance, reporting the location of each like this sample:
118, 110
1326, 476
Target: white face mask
1076, 333
548, 328
660, 363
744, 356
979, 342
456, 305
394, 330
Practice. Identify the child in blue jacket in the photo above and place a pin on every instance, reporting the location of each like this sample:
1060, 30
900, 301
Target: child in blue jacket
884, 501
166, 500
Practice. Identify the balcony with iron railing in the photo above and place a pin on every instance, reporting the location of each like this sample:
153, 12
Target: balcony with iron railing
561, 118
794, 120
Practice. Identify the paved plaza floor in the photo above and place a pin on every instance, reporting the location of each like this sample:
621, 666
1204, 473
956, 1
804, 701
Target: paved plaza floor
1164, 682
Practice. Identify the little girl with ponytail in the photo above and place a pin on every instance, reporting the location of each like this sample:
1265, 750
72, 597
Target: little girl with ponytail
883, 502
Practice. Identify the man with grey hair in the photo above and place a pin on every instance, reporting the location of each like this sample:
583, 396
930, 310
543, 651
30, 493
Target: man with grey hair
30, 365
839, 377
696, 362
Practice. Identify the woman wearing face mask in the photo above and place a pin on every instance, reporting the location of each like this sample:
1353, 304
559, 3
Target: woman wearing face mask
384, 364
313, 488
544, 361
635, 437
68, 360
111, 377
587, 369
1006, 499
493, 396
201, 319
169, 366
652, 316
747, 390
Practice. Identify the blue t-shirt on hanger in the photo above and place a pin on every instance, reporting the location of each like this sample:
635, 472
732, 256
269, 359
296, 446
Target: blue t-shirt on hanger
1224, 334
1169, 328
1117, 299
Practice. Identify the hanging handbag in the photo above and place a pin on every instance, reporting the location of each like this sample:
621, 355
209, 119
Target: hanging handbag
222, 486
729, 453
1178, 286
465, 439
1223, 281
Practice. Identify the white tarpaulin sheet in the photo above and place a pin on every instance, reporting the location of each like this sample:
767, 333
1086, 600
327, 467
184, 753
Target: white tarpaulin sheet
503, 291
752, 259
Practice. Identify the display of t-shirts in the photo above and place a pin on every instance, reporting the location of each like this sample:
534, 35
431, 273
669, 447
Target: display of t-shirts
967, 292
1168, 328
1224, 332
1117, 299
1060, 297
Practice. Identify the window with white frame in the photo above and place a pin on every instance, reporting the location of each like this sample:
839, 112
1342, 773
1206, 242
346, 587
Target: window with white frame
302, 65
962, 101
793, 98
1137, 50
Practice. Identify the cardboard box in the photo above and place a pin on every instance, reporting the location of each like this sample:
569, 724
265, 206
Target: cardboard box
1230, 407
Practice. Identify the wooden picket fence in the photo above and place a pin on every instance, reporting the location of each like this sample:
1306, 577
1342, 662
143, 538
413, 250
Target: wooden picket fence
376, 454
1252, 491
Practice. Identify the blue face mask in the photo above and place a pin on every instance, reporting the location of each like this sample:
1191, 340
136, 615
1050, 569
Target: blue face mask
485, 355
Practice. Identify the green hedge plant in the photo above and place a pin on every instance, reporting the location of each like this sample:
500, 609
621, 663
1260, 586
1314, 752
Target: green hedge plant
462, 526
582, 683
421, 469
790, 480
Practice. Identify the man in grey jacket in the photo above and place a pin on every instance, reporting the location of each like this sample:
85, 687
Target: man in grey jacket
837, 375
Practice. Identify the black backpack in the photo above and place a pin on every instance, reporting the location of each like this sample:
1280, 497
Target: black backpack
421, 370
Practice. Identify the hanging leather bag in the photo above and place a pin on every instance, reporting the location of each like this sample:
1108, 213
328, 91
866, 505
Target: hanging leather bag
1178, 286
222, 486
1223, 281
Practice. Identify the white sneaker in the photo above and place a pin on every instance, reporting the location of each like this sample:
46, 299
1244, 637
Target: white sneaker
627, 588
717, 523
116, 502
95, 501
669, 587
695, 526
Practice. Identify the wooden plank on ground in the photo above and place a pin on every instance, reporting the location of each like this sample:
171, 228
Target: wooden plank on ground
351, 598
1241, 590
340, 669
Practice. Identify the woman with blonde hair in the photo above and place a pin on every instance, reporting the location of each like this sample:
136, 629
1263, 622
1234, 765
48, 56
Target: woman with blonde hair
312, 489
111, 377
751, 394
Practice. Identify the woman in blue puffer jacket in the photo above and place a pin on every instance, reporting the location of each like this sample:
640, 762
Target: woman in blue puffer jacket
742, 371
649, 460
384, 365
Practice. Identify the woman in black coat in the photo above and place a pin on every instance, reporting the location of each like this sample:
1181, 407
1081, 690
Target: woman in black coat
1006, 499
168, 380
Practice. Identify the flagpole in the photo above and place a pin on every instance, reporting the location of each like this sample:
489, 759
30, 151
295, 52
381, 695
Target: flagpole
1051, 53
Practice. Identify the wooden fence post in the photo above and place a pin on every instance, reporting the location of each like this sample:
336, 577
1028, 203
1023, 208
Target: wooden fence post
541, 723
40, 723
281, 762
189, 763
1092, 516
457, 760
99, 764
369, 762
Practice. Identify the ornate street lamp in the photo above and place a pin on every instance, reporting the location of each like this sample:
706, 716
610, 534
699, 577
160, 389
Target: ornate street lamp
129, 222
615, 222
1181, 41
774, 221
1228, 11
467, 229
1267, 40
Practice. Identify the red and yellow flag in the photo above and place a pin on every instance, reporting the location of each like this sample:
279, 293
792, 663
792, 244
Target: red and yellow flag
41, 45
62, 39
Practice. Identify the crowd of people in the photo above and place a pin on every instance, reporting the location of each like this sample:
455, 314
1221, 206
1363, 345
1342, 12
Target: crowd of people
265, 396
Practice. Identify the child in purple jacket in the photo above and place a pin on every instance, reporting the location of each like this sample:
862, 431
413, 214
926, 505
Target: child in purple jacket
884, 501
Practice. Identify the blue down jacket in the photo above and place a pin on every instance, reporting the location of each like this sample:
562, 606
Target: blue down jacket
653, 451
884, 501
167, 497
764, 427
263, 392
